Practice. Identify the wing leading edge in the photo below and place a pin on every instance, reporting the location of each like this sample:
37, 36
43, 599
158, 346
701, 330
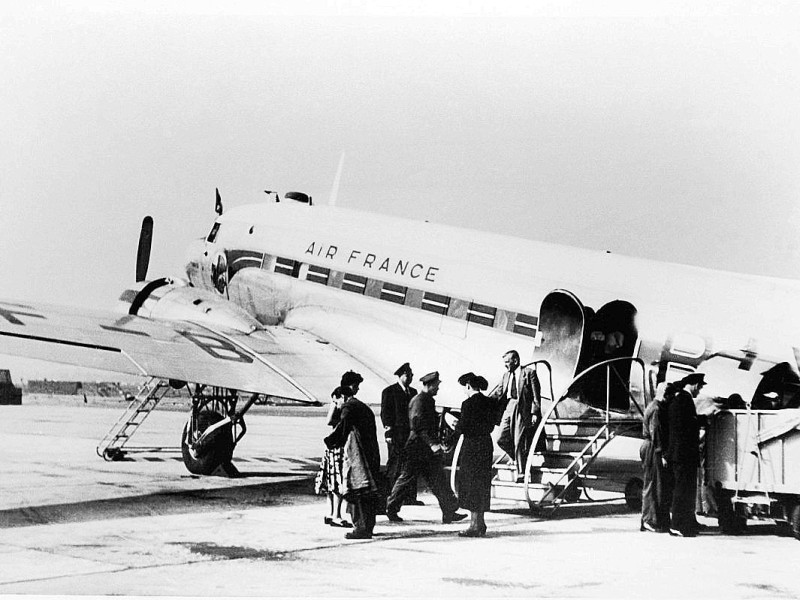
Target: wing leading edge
276, 361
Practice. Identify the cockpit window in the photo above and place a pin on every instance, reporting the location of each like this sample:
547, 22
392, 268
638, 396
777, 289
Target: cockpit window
213, 234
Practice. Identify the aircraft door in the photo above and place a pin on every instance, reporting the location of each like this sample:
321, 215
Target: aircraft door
561, 325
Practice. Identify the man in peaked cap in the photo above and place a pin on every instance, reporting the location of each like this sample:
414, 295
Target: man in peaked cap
683, 454
424, 455
394, 415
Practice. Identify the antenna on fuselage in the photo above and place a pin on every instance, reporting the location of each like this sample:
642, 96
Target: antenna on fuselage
218, 205
337, 178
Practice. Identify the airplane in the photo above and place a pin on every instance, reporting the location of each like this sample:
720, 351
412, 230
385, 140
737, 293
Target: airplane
281, 297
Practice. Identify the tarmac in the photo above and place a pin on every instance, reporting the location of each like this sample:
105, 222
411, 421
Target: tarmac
73, 524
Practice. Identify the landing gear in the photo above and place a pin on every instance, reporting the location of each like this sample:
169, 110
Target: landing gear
212, 432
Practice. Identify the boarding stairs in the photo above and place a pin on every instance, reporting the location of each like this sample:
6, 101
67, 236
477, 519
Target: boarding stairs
560, 469
114, 446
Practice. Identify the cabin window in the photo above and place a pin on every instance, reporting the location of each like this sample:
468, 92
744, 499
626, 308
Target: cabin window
212, 235
318, 274
354, 283
287, 266
525, 325
481, 314
394, 293
435, 303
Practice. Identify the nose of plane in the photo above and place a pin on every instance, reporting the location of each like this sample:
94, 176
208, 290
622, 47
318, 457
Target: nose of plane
196, 261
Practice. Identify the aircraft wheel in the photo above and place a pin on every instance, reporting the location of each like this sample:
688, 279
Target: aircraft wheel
217, 451
633, 493
794, 521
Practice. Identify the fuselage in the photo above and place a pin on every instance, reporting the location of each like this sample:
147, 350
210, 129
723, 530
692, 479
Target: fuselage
391, 290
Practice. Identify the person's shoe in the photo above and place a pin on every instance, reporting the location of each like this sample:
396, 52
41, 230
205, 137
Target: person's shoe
679, 533
393, 516
453, 517
470, 533
647, 527
328, 520
414, 503
358, 535
480, 532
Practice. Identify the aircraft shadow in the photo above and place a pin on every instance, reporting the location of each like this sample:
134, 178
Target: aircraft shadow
166, 503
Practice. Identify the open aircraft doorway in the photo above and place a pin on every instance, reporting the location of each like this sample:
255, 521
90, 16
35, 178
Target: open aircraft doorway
561, 325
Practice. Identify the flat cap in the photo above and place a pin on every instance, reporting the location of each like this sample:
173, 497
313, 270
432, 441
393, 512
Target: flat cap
430, 378
404, 368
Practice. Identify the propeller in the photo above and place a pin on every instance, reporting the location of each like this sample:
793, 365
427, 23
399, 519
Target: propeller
143, 253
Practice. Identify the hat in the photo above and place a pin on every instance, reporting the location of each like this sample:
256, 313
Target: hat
465, 378
402, 369
351, 378
430, 378
693, 379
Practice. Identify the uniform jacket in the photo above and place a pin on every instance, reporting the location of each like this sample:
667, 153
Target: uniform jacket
394, 412
423, 422
684, 431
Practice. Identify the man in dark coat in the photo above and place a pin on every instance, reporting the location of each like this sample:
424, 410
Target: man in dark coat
683, 454
357, 416
394, 415
657, 479
519, 398
425, 455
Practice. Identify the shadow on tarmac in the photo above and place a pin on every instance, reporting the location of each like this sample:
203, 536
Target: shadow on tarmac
298, 490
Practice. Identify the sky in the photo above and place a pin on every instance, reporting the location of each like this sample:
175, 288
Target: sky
670, 134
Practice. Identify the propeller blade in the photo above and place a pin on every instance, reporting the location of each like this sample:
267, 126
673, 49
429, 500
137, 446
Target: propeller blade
143, 253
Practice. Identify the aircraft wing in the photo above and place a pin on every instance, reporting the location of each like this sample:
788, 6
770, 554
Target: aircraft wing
275, 361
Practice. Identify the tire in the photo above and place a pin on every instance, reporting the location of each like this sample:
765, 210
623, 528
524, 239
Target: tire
633, 494
218, 450
729, 522
794, 521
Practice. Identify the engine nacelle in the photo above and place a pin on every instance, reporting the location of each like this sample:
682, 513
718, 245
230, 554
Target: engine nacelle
175, 299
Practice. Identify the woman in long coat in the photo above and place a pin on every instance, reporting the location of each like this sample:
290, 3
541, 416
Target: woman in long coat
476, 424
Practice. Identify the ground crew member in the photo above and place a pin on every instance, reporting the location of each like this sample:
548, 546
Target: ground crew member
683, 454
424, 455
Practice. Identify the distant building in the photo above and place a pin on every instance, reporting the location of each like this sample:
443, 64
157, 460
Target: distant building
9, 393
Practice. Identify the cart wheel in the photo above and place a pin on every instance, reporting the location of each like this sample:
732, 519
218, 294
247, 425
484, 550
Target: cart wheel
633, 493
729, 522
794, 521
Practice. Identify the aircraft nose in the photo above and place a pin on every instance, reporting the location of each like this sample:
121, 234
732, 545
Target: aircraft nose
196, 261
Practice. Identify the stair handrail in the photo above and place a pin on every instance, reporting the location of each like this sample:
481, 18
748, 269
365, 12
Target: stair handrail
146, 391
541, 426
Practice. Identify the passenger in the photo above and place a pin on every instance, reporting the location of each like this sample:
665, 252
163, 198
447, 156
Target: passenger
476, 425
329, 478
519, 398
683, 454
356, 433
424, 456
394, 415
657, 487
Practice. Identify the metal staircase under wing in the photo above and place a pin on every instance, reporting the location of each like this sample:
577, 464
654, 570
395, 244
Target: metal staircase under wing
113, 446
